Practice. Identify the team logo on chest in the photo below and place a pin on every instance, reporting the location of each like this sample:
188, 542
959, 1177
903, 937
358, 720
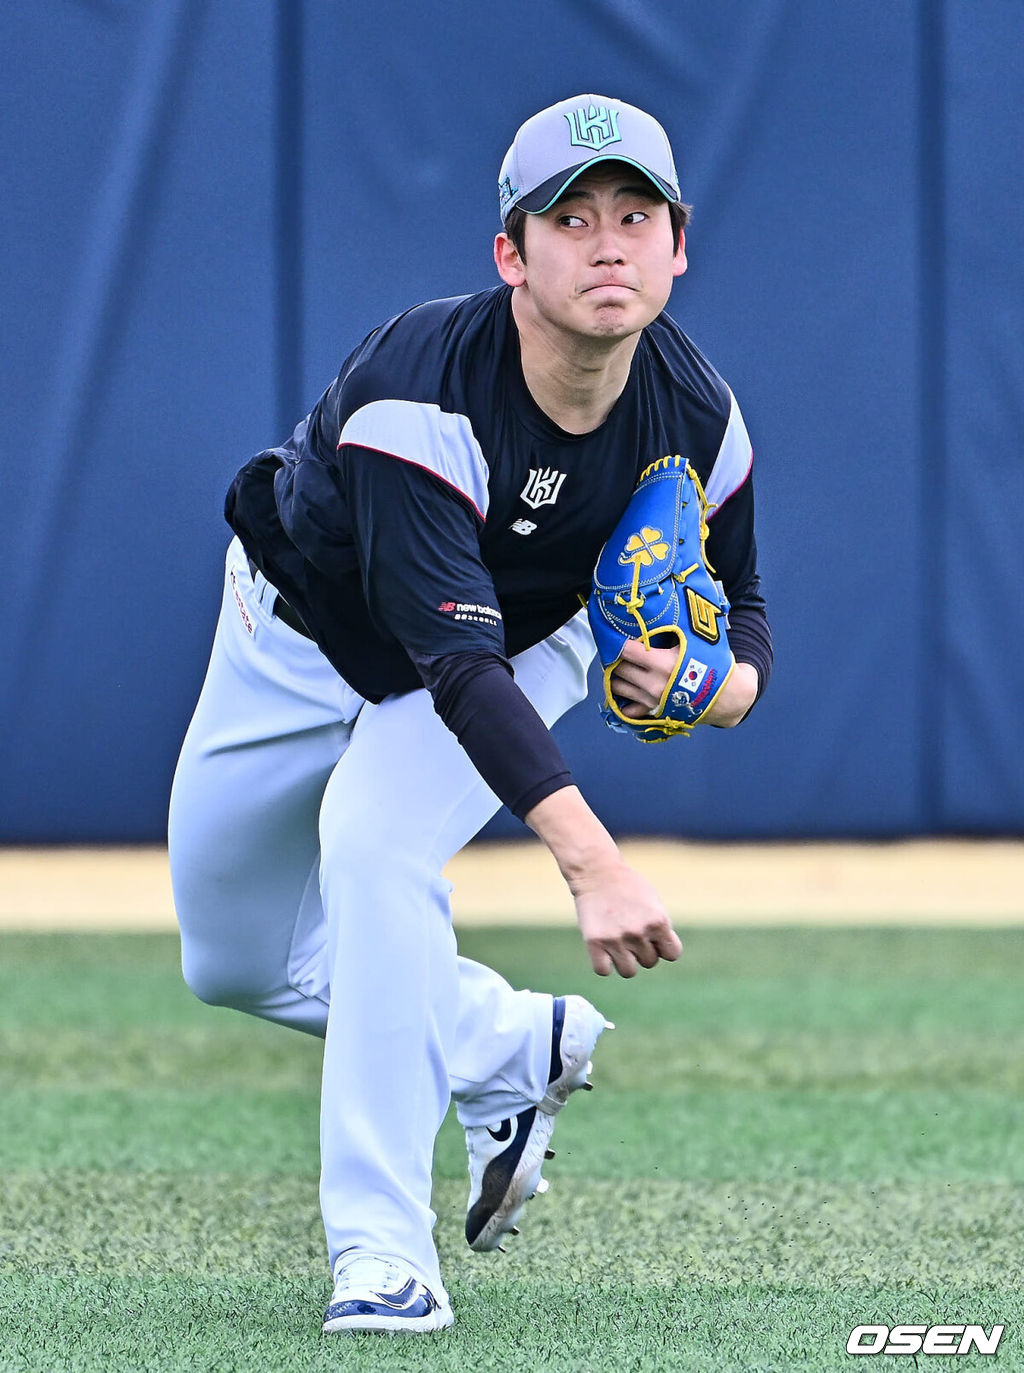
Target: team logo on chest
542, 487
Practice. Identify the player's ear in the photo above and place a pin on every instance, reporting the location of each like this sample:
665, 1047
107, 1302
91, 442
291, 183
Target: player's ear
679, 261
508, 262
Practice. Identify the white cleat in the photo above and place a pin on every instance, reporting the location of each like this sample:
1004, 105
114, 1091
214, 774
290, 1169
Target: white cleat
375, 1293
505, 1159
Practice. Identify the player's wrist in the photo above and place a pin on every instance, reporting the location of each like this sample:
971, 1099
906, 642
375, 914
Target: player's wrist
591, 868
736, 698
581, 846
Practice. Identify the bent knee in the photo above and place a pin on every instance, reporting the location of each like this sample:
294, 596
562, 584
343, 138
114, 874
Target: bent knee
220, 981
207, 984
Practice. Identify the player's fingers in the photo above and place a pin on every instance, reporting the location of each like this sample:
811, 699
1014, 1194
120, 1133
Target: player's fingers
634, 651
638, 682
642, 949
626, 688
635, 674
624, 960
639, 703
668, 945
599, 959
645, 954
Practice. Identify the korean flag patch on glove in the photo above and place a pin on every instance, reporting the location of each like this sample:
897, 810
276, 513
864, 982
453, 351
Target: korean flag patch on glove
653, 583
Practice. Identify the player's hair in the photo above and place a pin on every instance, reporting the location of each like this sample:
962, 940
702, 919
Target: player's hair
515, 225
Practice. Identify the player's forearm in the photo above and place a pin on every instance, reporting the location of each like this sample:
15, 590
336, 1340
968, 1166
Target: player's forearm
579, 843
621, 917
507, 742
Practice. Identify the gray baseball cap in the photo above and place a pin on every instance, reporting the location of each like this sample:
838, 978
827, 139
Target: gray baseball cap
556, 145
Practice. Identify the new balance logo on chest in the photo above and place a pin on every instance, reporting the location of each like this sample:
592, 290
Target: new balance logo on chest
542, 487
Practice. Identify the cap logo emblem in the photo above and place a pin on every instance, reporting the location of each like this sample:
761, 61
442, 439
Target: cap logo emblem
506, 192
594, 127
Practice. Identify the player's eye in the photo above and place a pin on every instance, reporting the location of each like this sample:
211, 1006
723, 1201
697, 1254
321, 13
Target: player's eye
635, 217
570, 221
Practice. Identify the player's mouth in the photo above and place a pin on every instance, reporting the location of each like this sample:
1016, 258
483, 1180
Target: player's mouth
609, 285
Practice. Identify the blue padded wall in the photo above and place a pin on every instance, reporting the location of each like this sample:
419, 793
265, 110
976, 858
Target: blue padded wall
207, 207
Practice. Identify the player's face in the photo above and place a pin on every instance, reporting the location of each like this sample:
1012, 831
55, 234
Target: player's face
601, 261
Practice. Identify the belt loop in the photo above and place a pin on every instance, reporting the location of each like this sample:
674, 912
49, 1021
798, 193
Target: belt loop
260, 585
278, 607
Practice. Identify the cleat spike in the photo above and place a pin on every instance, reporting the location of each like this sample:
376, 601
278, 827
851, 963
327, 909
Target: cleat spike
502, 1249
549, 1153
609, 1024
514, 1230
542, 1187
588, 1086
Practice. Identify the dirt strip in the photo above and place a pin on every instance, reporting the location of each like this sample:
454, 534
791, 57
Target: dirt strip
976, 882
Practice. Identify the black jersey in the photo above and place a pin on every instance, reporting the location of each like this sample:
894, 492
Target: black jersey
427, 506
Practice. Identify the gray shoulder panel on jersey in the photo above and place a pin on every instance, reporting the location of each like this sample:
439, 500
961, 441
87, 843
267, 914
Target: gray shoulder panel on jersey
428, 437
734, 459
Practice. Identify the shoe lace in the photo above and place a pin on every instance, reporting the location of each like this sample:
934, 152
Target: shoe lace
367, 1270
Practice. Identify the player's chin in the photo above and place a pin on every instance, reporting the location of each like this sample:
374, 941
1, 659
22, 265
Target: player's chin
609, 324
617, 318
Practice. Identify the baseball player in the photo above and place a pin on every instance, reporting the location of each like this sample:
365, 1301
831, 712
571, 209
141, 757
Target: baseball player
400, 627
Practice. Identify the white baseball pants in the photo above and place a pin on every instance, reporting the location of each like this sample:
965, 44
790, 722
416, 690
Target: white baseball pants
308, 830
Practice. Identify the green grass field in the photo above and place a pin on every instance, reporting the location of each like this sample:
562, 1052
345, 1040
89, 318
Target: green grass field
796, 1132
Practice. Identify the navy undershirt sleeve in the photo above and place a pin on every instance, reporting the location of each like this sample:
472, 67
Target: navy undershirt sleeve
731, 548
507, 742
750, 638
732, 551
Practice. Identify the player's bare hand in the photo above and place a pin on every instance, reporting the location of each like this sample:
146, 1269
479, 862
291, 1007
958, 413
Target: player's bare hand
623, 923
642, 676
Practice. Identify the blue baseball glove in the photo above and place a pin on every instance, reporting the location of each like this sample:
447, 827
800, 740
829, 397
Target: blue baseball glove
653, 583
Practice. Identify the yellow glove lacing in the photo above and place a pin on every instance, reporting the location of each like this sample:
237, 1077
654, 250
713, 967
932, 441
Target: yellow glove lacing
635, 600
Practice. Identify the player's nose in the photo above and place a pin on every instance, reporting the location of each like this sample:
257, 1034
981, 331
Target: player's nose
609, 253
608, 244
